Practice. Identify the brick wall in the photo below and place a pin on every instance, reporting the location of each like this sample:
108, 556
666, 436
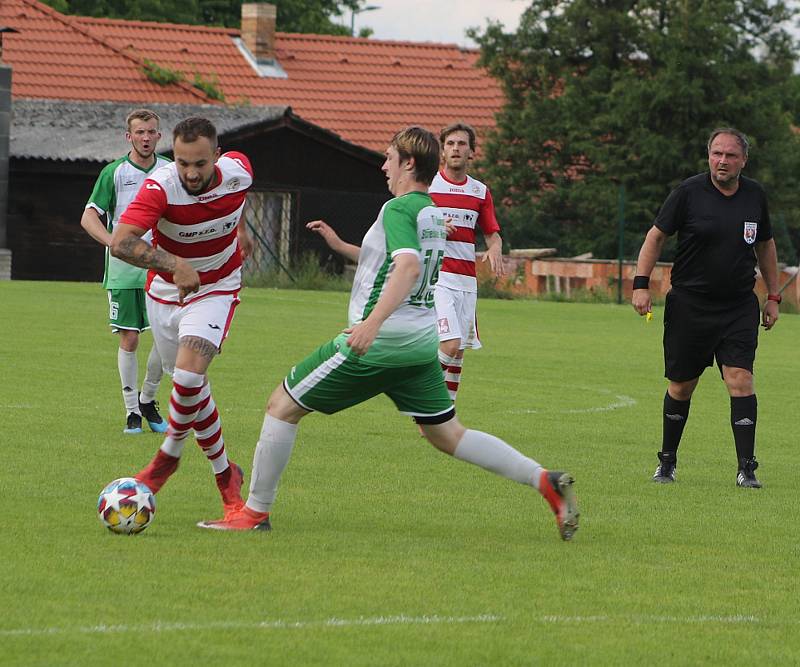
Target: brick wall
532, 276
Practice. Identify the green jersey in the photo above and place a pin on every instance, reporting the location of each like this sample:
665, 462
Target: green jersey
116, 187
407, 224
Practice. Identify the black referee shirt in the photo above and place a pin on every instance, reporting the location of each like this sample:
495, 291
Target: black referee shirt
716, 235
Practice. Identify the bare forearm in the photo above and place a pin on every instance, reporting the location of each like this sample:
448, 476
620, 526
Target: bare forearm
90, 221
397, 290
494, 242
348, 250
405, 274
767, 255
650, 251
133, 250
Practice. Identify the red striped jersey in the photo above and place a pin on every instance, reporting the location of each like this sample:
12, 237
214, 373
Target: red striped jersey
467, 204
200, 228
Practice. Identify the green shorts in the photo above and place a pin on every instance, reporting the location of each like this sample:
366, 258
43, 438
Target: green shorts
332, 379
127, 309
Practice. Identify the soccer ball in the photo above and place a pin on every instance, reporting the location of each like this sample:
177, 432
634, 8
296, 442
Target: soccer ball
126, 506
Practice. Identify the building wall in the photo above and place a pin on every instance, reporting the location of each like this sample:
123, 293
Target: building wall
344, 190
531, 277
47, 199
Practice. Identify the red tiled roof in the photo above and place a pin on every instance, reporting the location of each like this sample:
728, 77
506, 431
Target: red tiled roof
362, 89
54, 57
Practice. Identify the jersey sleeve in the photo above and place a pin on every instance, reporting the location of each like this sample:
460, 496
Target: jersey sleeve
103, 193
242, 160
487, 218
148, 207
400, 229
672, 214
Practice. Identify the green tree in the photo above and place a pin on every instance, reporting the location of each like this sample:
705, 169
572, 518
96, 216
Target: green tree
609, 93
307, 16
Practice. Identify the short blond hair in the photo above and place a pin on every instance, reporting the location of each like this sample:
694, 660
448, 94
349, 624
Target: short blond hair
421, 144
141, 114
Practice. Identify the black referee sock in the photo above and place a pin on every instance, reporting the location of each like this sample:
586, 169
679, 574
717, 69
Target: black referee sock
744, 411
675, 415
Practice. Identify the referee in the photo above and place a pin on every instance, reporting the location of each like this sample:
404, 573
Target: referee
711, 312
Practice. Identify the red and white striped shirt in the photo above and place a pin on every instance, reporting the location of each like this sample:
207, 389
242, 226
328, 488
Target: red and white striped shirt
467, 204
200, 228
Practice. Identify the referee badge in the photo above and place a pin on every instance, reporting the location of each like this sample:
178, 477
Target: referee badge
750, 232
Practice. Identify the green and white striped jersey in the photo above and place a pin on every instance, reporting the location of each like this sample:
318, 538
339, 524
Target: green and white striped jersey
115, 188
407, 224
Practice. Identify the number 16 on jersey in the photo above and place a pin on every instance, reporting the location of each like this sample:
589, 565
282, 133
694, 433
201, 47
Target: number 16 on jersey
423, 296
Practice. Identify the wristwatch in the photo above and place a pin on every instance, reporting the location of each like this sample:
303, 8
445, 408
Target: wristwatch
777, 298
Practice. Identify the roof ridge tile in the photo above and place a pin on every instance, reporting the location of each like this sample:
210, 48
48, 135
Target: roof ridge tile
158, 24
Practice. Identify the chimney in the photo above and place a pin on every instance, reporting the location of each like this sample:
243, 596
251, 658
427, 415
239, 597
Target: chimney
258, 30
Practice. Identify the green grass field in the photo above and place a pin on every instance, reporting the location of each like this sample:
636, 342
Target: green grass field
384, 551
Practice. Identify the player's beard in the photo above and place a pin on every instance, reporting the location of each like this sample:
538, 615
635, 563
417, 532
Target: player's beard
142, 155
203, 186
458, 164
729, 179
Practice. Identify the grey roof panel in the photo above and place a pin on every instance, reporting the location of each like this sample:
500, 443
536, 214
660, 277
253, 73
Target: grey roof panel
95, 131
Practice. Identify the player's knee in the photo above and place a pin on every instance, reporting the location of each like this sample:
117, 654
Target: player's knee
129, 340
450, 347
282, 406
445, 437
739, 381
682, 391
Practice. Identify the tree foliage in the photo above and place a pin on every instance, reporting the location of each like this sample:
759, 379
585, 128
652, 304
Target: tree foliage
609, 93
307, 16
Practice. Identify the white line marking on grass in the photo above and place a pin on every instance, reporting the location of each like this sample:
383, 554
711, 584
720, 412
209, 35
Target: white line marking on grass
621, 401
159, 626
737, 619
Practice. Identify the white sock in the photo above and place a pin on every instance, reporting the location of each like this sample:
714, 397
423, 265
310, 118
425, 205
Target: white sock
208, 431
272, 454
129, 376
491, 453
173, 447
153, 376
187, 393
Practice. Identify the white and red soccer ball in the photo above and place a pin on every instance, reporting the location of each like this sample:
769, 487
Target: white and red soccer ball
126, 506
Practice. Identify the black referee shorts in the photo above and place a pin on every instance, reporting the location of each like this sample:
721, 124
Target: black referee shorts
699, 329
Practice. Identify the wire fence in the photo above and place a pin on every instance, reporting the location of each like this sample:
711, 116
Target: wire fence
268, 216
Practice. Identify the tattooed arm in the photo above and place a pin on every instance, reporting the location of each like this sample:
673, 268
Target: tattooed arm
127, 246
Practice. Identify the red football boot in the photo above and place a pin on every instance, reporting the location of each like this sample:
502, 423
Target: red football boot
556, 487
229, 483
158, 471
241, 519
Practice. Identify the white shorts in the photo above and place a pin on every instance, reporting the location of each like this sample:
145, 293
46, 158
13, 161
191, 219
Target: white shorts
209, 318
455, 316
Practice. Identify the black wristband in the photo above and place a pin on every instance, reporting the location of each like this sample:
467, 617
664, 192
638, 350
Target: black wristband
641, 282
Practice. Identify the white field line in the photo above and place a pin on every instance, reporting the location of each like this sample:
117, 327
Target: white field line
620, 401
159, 626
645, 619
